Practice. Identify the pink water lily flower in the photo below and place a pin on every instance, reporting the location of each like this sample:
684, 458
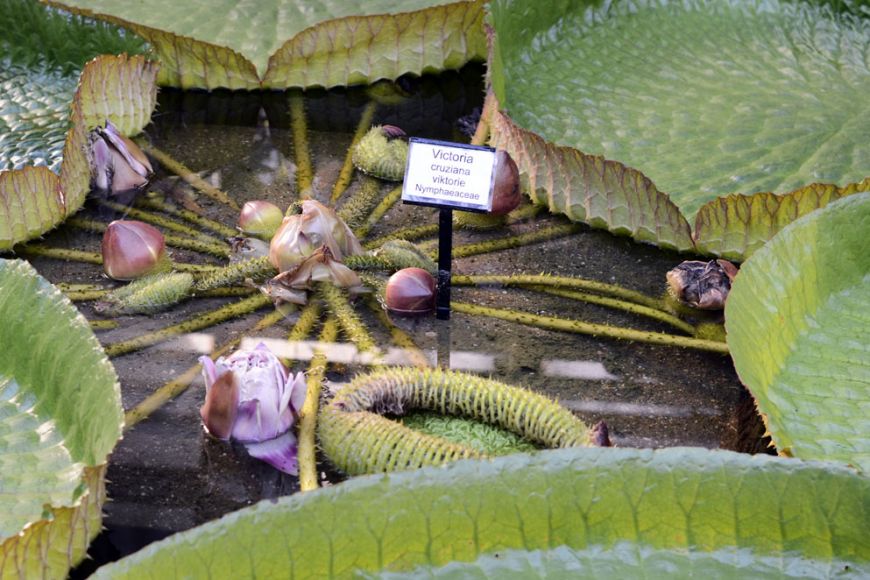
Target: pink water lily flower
251, 398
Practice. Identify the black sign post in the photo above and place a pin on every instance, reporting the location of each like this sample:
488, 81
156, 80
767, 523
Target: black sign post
445, 258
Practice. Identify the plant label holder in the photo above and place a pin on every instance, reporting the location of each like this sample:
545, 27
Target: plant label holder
448, 176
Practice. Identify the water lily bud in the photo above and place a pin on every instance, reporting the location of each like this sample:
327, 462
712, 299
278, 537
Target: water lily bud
132, 249
117, 164
251, 398
382, 152
301, 235
506, 194
411, 291
260, 219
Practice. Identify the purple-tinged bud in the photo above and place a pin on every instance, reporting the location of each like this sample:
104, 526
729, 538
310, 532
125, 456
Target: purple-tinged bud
411, 291
260, 219
506, 195
117, 164
132, 249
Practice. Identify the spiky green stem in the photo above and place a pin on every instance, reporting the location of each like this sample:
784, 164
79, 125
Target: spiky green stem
103, 324
60, 254
346, 172
299, 128
193, 324
478, 221
227, 292
382, 208
338, 305
235, 273
577, 326
399, 337
187, 175
180, 384
408, 234
558, 282
308, 416
188, 216
623, 305
359, 440
150, 294
368, 262
219, 249
72, 287
358, 206
161, 221
528, 238
307, 318
86, 295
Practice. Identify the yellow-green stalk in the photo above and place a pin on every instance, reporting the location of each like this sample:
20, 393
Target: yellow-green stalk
255, 268
382, 208
150, 294
187, 175
359, 205
409, 234
193, 324
306, 454
577, 326
299, 128
161, 221
338, 305
346, 172
528, 238
188, 216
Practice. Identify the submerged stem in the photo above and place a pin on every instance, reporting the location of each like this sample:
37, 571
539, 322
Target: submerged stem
308, 417
525, 239
299, 127
408, 234
340, 308
180, 383
577, 326
189, 216
198, 322
346, 172
187, 175
383, 207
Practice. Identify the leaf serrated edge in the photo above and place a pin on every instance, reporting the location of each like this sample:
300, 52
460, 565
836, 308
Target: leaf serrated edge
734, 226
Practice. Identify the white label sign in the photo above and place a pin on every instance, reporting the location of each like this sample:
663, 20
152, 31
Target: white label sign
449, 175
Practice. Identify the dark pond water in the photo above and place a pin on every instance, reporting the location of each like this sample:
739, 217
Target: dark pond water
166, 475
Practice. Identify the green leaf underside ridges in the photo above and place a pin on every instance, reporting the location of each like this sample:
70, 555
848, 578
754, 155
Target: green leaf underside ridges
705, 97
797, 321
301, 43
35, 466
680, 506
488, 439
34, 113
60, 416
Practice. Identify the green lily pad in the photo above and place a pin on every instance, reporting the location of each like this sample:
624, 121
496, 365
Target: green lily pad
579, 511
797, 320
33, 200
60, 416
278, 44
700, 98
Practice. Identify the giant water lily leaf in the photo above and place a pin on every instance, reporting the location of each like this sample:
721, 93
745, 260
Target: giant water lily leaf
34, 200
60, 416
797, 320
683, 510
702, 98
302, 43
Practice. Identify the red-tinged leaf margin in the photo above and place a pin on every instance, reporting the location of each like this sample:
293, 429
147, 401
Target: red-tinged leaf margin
363, 49
50, 547
589, 188
33, 200
735, 226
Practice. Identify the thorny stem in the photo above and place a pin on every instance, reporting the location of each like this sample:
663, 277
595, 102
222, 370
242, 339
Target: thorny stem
299, 126
339, 306
180, 383
85, 295
103, 324
525, 239
577, 326
187, 215
399, 337
408, 234
235, 273
95, 258
559, 282
187, 175
198, 322
357, 207
346, 172
308, 417
382, 208
159, 220
219, 249
307, 318
65, 287
623, 305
